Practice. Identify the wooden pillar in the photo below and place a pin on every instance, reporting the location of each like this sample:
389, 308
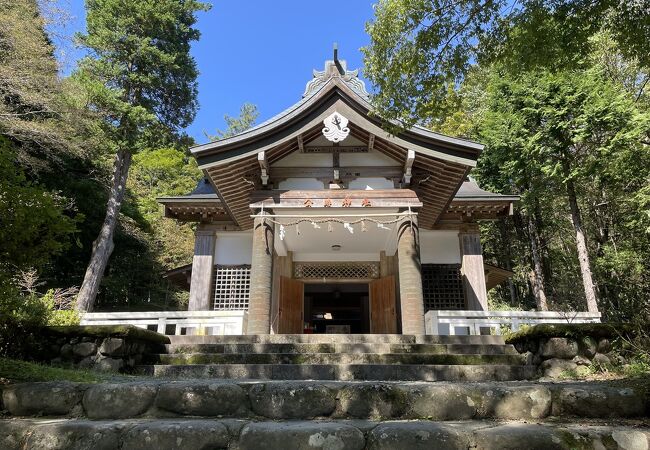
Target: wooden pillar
202, 269
387, 264
410, 279
472, 270
259, 304
282, 267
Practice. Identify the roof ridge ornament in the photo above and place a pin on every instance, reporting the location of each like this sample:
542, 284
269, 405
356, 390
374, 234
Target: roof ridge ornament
336, 68
336, 127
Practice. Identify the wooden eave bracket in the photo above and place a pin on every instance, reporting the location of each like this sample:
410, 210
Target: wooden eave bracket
264, 166
408, 166
301, 145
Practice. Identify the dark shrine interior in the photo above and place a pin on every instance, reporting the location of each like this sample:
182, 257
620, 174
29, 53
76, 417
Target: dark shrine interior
337, 308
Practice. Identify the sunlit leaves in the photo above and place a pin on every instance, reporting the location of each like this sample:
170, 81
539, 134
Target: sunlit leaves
420, 48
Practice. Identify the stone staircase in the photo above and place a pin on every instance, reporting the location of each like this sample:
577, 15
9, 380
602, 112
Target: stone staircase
157, 414
340, 357
310, 392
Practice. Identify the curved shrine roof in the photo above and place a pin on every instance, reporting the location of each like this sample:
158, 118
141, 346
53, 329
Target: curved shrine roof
236, 165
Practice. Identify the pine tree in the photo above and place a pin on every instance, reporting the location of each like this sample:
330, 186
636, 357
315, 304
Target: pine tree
140, 74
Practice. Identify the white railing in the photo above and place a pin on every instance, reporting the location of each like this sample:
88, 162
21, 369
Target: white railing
471, 322
191, 322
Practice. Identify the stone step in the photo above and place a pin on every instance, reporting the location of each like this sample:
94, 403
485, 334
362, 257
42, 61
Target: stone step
380, 372
335, 358
164, 434
378, 348
336, 339
282, 400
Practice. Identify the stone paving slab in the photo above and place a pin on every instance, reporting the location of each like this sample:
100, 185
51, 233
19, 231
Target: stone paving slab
325, 399
337, 358
349, 348
337, 339
343, 372
163, 434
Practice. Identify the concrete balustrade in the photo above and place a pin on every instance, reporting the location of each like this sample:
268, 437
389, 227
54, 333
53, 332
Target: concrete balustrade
473, 322
180, 322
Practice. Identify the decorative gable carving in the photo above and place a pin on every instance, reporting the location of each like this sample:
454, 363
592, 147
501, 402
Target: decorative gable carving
336, 127
332, 69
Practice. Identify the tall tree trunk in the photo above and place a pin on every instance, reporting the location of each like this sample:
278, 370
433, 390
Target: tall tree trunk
103, 245
581, 244
537, 276
542, 246
504, 230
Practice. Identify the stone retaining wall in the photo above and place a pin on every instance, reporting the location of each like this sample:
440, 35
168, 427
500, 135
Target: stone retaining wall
104, 348
560, 350
172, 434
300, 400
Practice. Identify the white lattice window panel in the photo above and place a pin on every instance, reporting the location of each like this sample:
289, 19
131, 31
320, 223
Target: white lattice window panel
232, 286
362, 270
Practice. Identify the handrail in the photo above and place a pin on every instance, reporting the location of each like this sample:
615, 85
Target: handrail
170, 314
184, 322
476, 322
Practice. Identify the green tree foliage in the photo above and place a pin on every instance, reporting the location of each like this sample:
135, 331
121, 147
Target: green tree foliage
32, 106
70, 170
248, 114
140, 75
38, 139
159, 172
140, 69
33, 221
419, 48
558, 92
156, 173
547, 131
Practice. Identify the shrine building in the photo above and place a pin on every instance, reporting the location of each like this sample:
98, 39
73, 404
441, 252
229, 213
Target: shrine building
319, 220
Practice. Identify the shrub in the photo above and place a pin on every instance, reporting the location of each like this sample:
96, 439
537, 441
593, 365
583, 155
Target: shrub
24, 314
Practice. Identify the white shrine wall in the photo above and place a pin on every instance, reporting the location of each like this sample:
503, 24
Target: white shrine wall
301, 184
233, 248
439, 247
297, 159
369, 159
436, 247
371, 183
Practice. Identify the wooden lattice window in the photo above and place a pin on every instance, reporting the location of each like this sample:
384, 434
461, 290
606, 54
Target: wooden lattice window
232, 286
442, 286
360, 270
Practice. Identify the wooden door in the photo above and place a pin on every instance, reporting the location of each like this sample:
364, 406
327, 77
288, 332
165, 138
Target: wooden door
383, 317
291, 308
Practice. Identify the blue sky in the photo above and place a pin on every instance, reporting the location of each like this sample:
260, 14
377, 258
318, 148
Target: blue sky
261, 52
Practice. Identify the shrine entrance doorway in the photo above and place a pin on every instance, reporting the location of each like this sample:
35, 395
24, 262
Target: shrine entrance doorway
337, 308
344, 307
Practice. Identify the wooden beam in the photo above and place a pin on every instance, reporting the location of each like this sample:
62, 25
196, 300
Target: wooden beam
264, 165
408, 166
301, 146
324, 193
335, 148
345, 172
